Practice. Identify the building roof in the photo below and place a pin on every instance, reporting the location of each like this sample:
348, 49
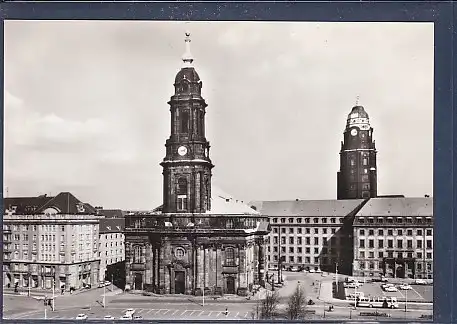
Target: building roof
307, 208
64, 203
224, 203
420, 206
111, 225
112, 213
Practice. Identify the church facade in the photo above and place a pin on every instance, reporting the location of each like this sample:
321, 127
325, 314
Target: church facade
200, 240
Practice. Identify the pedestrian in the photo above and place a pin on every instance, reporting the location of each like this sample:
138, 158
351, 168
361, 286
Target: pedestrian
226, 311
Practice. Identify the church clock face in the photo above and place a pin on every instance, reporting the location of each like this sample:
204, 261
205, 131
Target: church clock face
182, 150
354, 132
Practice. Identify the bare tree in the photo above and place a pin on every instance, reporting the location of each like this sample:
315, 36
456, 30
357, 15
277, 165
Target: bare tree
297, 304
256, 312
268, 306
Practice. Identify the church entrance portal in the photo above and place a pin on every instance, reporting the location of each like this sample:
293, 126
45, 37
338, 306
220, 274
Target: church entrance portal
180, 284
230, 285
138, 281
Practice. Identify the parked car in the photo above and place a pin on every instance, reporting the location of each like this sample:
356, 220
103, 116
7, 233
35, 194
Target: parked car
405, 287
420, 282
352, 285
81, 317
312, 271
318, 271
137, 317
109, 317
391, 289
130, 312
125, 317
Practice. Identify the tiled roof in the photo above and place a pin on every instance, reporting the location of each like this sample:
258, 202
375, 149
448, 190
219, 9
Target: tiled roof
307, 207
223, 203
64, 202
111, 225
24, 205
421, 206
112, 213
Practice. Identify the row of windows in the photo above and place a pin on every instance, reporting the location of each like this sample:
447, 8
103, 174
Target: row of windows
299, 220
299, 230
48, 228
390, 254
306, 241
398, 220
375, 265
398, 232
111, 244
299, 259
390, 244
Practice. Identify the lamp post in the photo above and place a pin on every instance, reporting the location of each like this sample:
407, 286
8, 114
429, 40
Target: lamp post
336, 275
104, 295
406, 300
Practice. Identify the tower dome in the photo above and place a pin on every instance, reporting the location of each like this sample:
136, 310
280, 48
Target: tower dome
187, 80
358, 117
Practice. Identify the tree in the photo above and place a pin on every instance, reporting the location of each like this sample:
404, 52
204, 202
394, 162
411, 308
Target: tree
297, 304
269, 305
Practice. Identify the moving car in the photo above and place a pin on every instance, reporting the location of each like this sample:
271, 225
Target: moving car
81, 317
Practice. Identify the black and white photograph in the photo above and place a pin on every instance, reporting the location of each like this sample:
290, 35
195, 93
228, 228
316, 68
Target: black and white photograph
218, 170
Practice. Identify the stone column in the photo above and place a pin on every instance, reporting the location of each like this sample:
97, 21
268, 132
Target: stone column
256, 258
162, 269
128, 274
148, 266
200, 266
242, 276
261, 262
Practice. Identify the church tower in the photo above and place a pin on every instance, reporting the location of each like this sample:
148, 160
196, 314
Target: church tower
357, 176
187, 166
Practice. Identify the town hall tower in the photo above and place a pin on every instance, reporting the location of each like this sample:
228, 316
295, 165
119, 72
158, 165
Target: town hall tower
357, 176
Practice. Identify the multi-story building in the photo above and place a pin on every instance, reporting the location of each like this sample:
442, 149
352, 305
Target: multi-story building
394, 237
50, 241
200, 240
111, 244
310, 234
357, 176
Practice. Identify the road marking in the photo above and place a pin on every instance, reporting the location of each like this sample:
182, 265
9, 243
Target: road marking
183, 313
245, 316
174, 312
218, 314
149, 311
237, 314
140, 311
209, 314
201, 313
166, 312
191, 313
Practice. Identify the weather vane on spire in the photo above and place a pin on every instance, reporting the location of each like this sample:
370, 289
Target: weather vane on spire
187, 57
357, 100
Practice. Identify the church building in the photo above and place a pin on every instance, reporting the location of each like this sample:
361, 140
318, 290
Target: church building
200, 239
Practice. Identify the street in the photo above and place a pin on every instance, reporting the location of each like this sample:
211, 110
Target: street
90, 302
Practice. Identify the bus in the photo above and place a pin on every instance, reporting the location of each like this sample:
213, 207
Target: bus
377, 302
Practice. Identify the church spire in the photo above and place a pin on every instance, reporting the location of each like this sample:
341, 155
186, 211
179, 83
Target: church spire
187, 57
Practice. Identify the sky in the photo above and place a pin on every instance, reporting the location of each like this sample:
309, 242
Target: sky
86, 106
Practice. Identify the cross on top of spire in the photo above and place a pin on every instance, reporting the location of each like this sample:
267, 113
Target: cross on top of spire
357, 100
187, 57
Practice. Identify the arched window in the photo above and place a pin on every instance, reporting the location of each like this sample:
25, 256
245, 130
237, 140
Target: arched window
182, 194
137, 254
230, 257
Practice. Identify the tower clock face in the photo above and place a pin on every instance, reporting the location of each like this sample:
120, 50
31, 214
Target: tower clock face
182, 150
354, 132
